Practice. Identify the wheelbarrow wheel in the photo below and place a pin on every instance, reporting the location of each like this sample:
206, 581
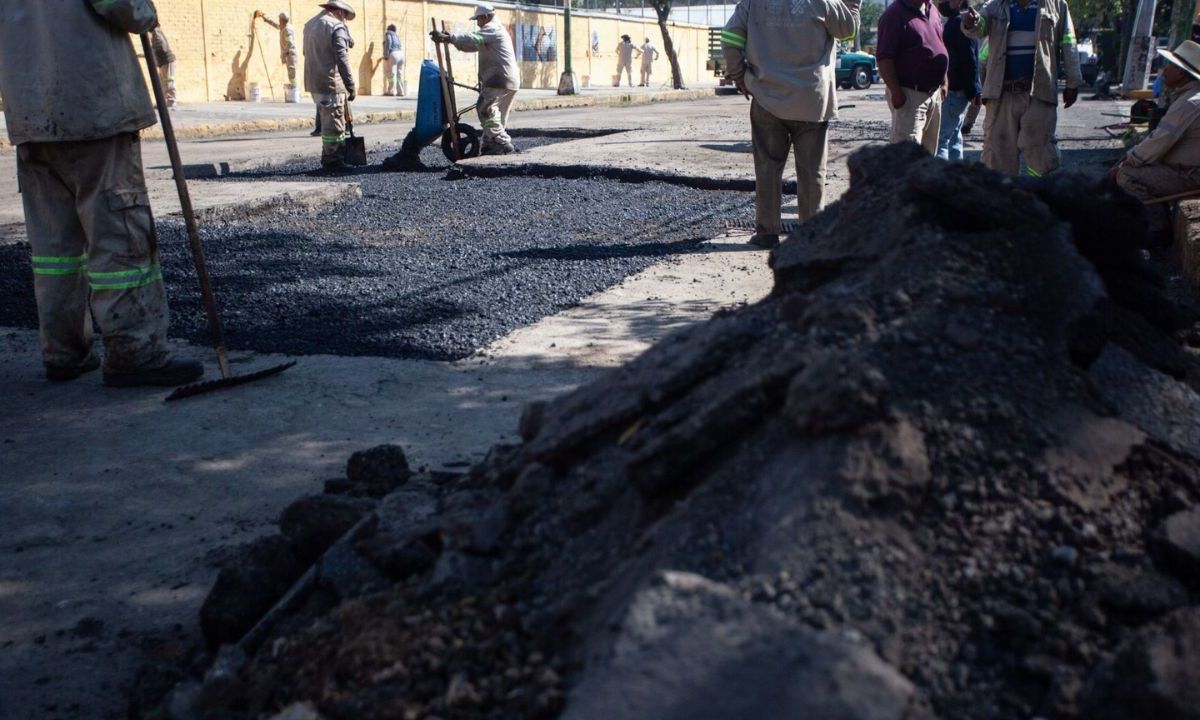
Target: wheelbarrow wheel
468, 142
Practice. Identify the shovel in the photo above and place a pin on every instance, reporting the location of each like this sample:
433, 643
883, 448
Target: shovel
356, 147
189, 218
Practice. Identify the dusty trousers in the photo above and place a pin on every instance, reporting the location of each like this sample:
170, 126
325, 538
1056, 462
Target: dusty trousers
331, 111
166, 74
393, 75
919, 120
625, 68
1018, 124
91, 231
494, 104
773, 138
1148, 182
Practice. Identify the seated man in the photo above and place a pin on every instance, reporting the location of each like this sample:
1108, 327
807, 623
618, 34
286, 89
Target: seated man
1168, 161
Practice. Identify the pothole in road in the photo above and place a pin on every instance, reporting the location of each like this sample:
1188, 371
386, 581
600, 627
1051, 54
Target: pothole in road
419, 267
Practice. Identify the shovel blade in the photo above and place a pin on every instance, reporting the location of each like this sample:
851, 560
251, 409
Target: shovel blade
356, 151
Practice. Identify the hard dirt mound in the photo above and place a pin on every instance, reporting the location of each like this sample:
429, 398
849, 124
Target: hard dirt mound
904, 486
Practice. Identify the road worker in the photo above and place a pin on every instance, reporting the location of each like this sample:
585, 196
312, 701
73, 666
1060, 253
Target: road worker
499, 76
287, 43
327, 76
649, 55
625, 51
166, 63
393, 63
79, 165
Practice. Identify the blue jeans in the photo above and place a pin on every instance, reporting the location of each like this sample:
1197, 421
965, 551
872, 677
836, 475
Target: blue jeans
950, 141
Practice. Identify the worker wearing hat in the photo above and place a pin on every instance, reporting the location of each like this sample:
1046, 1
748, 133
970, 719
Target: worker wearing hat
499, 76
1167, 162
327, 76
625, 51
287, 43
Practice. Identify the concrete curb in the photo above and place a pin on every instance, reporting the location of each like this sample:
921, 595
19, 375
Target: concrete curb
244, 127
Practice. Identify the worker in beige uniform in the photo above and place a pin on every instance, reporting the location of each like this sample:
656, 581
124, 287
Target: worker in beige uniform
79, 164
499, 76
625, 51
327, 76
166, 63
1167, 162
649, 55
287, 42
780, 53
1020, 81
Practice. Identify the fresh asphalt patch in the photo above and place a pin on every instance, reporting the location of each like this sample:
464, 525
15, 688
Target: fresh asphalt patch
421, 266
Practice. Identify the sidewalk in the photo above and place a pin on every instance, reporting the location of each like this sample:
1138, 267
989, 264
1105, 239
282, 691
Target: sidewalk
200, 120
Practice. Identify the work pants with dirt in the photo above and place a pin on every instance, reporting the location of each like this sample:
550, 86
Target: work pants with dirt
919, 120
92, 237
289, 61
1016, 124
393, 75
331, 109
494, 104
773, 139
166, 73
1147, 182
645, 75
627, 69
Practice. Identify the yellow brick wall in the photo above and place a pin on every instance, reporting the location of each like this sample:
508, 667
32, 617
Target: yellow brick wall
221, 50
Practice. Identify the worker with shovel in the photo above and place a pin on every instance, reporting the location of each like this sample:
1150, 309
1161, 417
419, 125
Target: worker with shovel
79, 163
327, 76
499, 76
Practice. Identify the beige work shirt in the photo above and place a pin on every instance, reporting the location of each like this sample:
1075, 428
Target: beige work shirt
1176, 140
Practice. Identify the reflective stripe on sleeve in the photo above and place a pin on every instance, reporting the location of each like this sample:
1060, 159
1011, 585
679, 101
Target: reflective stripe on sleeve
125, 279
732, 39
1067, 39
478, 37
50, 265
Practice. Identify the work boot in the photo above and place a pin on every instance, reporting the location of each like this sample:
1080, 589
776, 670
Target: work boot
63, 373
765, 241
315, 133
175, 372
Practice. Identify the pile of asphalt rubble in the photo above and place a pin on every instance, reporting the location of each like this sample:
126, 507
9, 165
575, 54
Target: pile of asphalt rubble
948, 469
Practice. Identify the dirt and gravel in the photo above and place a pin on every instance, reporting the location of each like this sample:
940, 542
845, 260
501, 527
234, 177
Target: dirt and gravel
423, 265
902, 486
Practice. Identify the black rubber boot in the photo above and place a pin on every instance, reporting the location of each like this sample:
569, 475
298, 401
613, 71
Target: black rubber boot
63, 373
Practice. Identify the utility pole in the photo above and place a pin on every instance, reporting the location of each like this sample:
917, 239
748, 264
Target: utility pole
567, 84
1141, 46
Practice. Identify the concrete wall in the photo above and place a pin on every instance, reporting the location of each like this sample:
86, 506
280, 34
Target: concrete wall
218, 44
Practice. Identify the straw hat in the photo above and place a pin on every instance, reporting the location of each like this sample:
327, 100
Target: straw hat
483, 10
340, 5
1186, 57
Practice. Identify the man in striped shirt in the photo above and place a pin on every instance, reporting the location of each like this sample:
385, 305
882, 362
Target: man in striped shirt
1020, 88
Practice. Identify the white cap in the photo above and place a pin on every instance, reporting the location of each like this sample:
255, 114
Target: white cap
483, 10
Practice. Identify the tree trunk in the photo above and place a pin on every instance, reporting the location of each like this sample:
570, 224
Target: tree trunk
663, 9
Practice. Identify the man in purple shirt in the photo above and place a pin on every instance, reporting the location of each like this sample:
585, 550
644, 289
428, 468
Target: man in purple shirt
912, 62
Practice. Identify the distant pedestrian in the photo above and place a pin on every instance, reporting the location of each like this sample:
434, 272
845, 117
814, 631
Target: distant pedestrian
649, 55
499, 76
166, 63
287, 43
393, 63
327, 76
780, 53
76, 126
625, 50
912, 63
1020, 88
1167, 162
962, 80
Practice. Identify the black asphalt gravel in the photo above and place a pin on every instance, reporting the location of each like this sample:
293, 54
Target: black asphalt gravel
421, 266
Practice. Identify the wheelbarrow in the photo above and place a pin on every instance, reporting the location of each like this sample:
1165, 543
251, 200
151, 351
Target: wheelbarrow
438, 118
